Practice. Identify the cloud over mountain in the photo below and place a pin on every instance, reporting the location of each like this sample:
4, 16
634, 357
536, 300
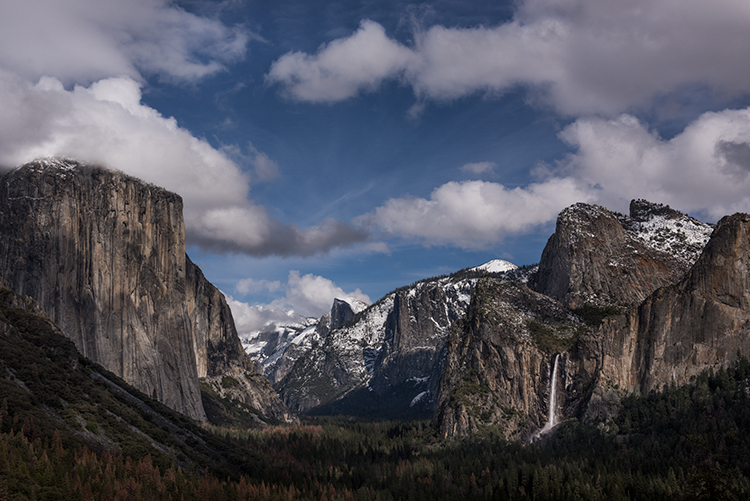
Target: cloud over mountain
305, 296
704, 169
75, 89
473, 214
588, 59
74, 73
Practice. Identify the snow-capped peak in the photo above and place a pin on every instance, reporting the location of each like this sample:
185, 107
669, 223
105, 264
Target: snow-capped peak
355, 304
496, 266
62, 164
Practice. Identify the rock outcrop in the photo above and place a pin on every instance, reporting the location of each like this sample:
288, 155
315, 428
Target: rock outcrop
600, 258
278, 345
499, 361
500, 357
104, 255
702, 322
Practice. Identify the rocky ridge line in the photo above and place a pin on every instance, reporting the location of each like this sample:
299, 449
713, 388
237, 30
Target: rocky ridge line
600, 258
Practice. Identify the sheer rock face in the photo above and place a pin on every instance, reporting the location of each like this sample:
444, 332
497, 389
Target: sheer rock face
699, 323
341, 313
499, 361
500, 358
104, 255
598, 257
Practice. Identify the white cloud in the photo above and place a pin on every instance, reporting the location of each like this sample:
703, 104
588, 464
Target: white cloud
342, 68
474, 214
706, 168
250, 286
313, 295
70, 85
249, 319
81, 41
306, 296
582, 56
107, 124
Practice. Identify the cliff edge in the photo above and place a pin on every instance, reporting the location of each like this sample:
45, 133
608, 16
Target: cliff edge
104, 255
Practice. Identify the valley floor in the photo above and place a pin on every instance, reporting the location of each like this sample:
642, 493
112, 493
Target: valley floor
690, 442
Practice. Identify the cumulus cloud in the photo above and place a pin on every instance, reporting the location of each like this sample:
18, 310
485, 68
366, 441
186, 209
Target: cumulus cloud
306, 296
107, 124
313, 295
70, 85
705, 168
81, 41
250, 319
250, 230
342, 68
474, 214
581, 56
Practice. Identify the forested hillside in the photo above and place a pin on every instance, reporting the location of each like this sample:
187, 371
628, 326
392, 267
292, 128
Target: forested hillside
690, 442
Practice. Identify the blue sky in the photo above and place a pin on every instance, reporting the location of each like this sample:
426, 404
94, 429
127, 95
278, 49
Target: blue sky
329, 149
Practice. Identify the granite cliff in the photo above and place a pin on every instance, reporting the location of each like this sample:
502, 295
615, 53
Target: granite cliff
600, 258
701, 322
683, 313
500, 358
104, 255
278, 345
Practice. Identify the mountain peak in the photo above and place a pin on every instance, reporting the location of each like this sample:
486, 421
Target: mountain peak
496, 266
642, 210
602, 257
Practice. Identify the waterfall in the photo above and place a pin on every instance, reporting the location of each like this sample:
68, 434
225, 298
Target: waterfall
551, 418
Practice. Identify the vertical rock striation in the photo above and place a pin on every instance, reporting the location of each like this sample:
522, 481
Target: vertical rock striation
500, 361
104, 255
702, 322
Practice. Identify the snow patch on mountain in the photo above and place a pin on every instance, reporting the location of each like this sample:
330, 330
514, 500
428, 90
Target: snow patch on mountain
496, 266
266, 345
682, 237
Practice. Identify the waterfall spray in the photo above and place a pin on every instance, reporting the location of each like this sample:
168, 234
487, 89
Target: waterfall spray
551, 417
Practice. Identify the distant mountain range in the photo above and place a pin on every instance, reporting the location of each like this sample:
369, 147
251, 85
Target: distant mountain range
618, 304
477, 348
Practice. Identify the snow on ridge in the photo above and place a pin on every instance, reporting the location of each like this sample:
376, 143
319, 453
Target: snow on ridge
683, 237
418, 398
496, 266
357, 305
657, 226
56, 162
